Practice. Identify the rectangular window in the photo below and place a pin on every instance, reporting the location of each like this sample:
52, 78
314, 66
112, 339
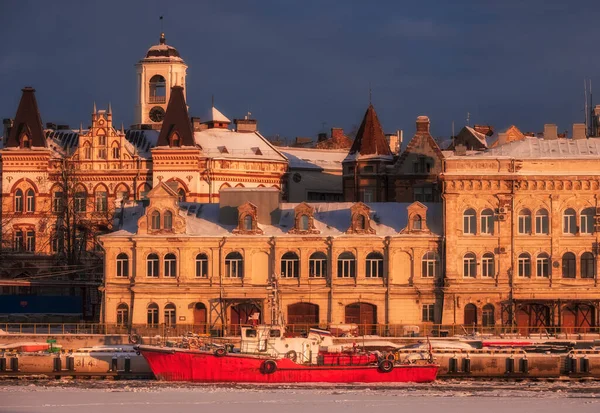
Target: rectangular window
374, 268
541, 224
524, 224
30, 241
152, 316
57, 202
317, 268
487, 224
569, 222
233, 268
201, 268
152, 268
368, 195
543, 267
428, 311
587, 224
346, 268
101, 201
19, 242
80, 201
487, 267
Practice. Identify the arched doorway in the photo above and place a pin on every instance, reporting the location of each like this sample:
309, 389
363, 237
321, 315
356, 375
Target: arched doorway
305, 315
242, 314
200, 318
532, 318
578, 318
363, 314
470, 320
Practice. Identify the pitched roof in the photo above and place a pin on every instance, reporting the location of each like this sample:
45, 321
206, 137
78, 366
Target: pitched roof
512, 134
176, 120
27, 121
215, 115
422, 135
370, 139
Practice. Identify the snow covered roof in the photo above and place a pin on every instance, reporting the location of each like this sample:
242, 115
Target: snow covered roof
319, 159
225, 143
162, 52
330, 218
215, 115
477, 135
143, 140
536, 148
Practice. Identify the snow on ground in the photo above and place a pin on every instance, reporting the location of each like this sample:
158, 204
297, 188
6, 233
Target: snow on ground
95, 396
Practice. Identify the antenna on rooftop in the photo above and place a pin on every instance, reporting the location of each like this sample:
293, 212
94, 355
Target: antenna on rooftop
452, 133
592, 132
585, 108
213, 101
468, 119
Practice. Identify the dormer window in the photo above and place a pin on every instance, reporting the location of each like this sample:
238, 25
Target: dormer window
168, 220
303, 223
25, 142
417, 223
360, 219
303, 220
247, 223
155, 220
417, 218
361, 222
247, 220
175, 141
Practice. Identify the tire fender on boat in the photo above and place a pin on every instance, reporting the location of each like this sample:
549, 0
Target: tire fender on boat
385, 366
135, 339
391, 357
292, 355
268, 367
220, 352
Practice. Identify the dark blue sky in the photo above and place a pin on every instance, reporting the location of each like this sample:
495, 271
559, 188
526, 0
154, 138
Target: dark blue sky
297, 65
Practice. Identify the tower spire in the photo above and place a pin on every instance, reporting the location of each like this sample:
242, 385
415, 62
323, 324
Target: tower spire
94, 111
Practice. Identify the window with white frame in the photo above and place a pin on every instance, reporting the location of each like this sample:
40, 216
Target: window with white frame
122, 265
429, 265
568, 265
588, 265
524, 222
30, 198
122, 315
374, 265
524, 265
488, 269
19, 245
101, 201
170, 263
18, 200
58, 201
234, 265
469, 221
542, 224
152, 265
346, 265
80, 201
428, 313
30, 241
170, 315
201, 265
469, 265
317, 265
542, 265
586, 220
569, 221
168, 220
152, 315
368, 195
487, 222
290, 265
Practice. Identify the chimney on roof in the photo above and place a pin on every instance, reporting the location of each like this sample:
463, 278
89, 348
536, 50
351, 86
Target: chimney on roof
322, 136
487, 130
395, 140
460, 150
550, 132
8, 124
246, 124
502, 138
196, 124
579, 131
423, 124
337, 134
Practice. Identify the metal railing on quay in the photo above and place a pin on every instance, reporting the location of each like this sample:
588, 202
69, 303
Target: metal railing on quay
337, 330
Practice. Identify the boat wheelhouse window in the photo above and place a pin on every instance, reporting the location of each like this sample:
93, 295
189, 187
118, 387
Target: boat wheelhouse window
250, 333
275, 333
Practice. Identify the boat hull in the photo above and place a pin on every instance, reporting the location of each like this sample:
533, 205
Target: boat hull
190, 365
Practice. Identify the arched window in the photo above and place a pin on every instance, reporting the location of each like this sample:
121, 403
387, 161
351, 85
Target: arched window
303, 223
417, 223
170, 265
569, 221
346, 265
58, 202
170, 315
469, 221
116, 153
30, 196
122, 315
361, 222
30, 241
123, 265
542, 225
87, 151
587, 221
18, 200
487, 316
317, 265
175, 141
488, 268
469, 265
152, 266
25, 142
568, 265
80, 200
524, 264
487, 222
181, 195
19, 241
157, 89
248, 223
374, 265
152, 312
290, 265
542, 265
202, 266
525, 222
430, 265
588, 265
234, 265
168, 220
101, 201
155, 220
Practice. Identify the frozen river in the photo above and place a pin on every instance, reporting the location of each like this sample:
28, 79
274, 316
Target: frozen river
443, 397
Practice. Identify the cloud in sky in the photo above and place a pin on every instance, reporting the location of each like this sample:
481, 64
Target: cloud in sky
298, 65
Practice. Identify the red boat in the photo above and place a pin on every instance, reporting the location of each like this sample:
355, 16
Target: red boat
266, 356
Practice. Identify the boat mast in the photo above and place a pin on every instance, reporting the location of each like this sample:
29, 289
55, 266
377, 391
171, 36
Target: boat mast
275, 301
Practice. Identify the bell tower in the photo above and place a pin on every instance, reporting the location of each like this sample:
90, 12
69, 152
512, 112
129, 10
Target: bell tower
160, 70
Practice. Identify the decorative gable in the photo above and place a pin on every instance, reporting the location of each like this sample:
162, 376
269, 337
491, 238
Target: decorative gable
360, 219
422, 155
247, 220
417, 219
162, 214
304, 222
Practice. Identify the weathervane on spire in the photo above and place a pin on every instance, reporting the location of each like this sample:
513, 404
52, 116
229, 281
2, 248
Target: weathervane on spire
162, 31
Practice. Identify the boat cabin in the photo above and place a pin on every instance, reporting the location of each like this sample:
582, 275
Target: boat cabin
270, 340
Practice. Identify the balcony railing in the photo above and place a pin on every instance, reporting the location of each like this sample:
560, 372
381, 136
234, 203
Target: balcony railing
157, 99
